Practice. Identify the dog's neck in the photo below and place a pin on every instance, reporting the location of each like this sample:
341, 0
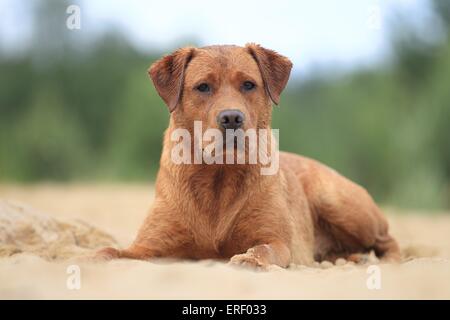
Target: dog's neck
215, 177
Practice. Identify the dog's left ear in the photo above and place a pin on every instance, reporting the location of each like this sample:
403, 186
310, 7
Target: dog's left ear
167, 75
275, 69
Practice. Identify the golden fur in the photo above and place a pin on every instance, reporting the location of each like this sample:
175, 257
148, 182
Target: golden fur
303, 213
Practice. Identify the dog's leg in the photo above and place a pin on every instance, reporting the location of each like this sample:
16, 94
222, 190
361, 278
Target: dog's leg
133, 252
264, 255
360, 227
355, 221
161, 236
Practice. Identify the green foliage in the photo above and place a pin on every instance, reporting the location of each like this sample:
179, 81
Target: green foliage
73, 110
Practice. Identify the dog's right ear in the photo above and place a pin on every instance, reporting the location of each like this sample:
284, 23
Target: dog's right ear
167, 75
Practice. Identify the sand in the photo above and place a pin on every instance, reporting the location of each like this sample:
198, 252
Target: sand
43, 227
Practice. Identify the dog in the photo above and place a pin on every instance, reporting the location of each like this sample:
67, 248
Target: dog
303, 213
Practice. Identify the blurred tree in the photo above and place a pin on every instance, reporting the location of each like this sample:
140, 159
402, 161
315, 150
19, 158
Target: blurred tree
73, 107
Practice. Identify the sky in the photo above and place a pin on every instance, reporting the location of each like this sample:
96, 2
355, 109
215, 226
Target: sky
343, 34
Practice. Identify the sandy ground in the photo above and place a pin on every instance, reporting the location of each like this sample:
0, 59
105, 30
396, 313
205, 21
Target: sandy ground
119, 210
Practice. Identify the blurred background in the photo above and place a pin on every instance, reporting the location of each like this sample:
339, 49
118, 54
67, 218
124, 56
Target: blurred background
369, 94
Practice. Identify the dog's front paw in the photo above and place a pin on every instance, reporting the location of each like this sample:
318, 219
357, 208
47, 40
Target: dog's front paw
106, 254
249, 260
101, 255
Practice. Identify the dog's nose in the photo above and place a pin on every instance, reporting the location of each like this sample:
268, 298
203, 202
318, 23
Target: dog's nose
231, 119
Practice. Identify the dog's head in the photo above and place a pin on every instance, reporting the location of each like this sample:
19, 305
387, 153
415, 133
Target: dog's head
224, 87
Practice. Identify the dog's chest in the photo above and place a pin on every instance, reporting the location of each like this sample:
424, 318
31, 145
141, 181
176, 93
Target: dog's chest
214, 234
216, 203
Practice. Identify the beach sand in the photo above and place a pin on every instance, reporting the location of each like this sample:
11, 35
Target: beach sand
44, 226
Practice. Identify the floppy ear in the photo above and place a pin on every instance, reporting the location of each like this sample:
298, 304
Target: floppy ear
275, 69
167, 75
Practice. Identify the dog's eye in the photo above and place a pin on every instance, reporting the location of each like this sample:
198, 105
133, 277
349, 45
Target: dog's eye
248, 85
204, 87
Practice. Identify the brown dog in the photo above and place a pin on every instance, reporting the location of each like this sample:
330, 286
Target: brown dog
304, 212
